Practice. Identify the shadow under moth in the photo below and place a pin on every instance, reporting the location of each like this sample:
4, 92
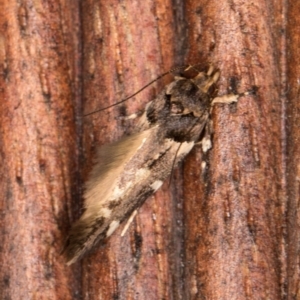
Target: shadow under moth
128, 171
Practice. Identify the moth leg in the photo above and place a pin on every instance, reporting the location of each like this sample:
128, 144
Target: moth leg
129, 221
206, 140
229, 98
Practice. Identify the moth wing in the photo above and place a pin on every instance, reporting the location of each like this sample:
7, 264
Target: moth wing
110, 162
109, 165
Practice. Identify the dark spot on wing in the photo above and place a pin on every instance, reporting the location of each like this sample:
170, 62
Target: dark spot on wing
113, 204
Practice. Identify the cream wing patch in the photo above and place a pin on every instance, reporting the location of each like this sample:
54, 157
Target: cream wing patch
112, 227
185, 148
156, 185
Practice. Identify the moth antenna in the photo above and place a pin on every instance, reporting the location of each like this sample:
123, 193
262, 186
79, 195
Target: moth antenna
148, 84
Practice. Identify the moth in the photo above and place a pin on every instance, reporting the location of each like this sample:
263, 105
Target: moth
128, 171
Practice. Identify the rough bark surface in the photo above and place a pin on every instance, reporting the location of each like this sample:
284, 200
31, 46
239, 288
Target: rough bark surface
229, 230
292, 136
38, 147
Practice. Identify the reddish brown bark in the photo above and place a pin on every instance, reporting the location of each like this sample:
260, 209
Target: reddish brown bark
237, 226
38, 147
293, 151
214, 233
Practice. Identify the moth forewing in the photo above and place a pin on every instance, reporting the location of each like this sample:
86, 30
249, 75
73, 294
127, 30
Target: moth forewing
127, 172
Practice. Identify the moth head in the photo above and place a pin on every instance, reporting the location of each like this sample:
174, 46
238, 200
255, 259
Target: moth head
188, 96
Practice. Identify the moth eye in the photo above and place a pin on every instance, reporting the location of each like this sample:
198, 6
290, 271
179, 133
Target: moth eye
176, 108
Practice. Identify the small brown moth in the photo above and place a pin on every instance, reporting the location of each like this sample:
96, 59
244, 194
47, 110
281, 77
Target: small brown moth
128, 171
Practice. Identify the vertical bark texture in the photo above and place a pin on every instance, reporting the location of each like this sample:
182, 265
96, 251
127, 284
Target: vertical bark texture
218, 231
234, 224
38, 146
293, 150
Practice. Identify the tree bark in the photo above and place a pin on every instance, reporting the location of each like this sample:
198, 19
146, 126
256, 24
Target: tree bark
225, 226
237, 227
292, 157
39, 152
